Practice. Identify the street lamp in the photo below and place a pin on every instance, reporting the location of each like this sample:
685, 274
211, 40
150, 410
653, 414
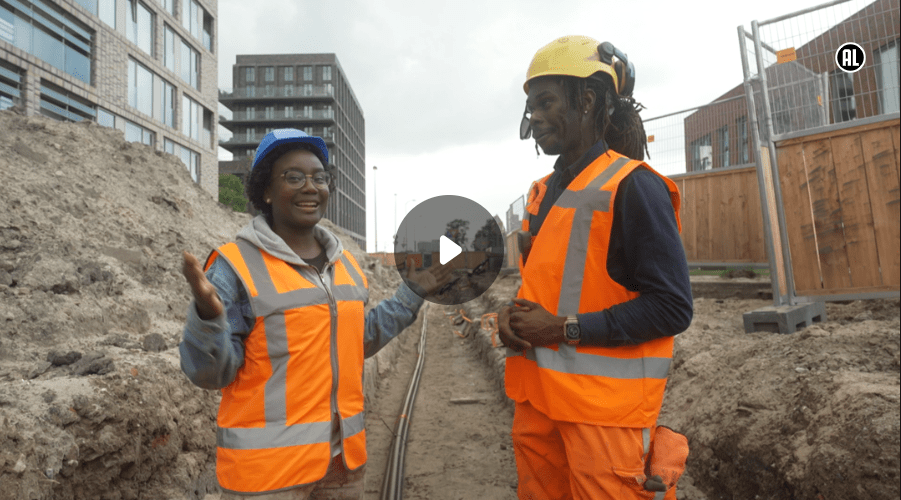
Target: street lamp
407, 229
375, 203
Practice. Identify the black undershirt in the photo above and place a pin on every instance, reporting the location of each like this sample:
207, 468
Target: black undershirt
645, 256
318, 261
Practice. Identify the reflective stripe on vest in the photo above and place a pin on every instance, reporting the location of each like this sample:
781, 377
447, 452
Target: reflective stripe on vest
620, 386
265, 442
567, 360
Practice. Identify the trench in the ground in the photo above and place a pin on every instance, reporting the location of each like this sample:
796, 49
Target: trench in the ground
459, 442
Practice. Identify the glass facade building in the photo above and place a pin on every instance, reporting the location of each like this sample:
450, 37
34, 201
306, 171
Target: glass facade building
140, 66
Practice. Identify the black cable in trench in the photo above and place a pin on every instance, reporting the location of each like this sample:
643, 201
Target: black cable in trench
393, 481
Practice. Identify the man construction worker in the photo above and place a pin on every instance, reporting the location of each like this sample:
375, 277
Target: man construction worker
604, 290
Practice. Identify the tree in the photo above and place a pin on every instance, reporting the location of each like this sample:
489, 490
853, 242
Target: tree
231, 192
488, 237
456, 231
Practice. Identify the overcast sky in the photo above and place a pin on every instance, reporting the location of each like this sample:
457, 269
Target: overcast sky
440, 83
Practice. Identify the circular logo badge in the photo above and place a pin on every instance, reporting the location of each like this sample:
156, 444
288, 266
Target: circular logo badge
850, 57
454, 233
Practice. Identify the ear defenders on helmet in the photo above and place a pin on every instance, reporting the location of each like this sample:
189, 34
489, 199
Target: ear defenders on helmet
625, 70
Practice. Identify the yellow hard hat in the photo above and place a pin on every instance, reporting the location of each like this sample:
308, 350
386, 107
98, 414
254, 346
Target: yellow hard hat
572, 56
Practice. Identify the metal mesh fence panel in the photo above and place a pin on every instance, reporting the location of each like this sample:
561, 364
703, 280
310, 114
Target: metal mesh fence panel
515, 214
707, 137
807, 88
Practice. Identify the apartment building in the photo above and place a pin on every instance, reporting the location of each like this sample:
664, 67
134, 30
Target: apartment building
309, 92
147, 68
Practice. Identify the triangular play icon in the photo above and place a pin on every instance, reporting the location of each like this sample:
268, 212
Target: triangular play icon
447, 250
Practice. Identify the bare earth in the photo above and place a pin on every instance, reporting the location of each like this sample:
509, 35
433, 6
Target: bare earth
93, 404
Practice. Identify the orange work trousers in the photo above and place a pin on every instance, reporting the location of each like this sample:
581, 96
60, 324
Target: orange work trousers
558, 460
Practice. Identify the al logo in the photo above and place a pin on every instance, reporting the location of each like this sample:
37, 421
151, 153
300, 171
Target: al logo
850, 57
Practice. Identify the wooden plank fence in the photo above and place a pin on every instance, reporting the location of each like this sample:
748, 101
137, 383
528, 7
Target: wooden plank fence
721, 217
840, 190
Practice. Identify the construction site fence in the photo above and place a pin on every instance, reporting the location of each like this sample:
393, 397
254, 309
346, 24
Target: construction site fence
828, 148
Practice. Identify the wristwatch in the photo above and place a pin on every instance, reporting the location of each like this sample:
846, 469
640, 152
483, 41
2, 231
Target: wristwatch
572, 332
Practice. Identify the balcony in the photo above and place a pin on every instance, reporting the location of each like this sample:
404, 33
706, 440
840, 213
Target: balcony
279, 115
274, 92
254, 139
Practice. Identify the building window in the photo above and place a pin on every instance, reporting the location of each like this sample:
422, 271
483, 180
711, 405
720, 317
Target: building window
139, 26
11, 82
269, 112
191, 17
268, 91
190, 118
326, 73
169, 5
250, 74
189, 65
140, 87
107, 12
207, 31
307, 73
251, 91
329, 90
104, 9
887, 68
196, 121
289, 111
844, 107
251, 113
167, 104
169, 49
105, 118
137, 133
308, 111
60, 104
189, 158
250, 134
722, 138
289, 90
742, 125
53, 36
288, 73
701, 154
269, 73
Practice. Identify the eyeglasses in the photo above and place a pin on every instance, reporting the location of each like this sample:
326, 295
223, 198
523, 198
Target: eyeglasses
525, 127
297, 180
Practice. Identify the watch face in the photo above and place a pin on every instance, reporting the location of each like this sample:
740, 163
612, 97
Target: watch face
572, 331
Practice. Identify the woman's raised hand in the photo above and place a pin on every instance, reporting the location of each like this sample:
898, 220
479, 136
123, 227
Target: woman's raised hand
208, 304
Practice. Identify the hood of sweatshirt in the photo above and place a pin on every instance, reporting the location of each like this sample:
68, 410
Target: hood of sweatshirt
258, 233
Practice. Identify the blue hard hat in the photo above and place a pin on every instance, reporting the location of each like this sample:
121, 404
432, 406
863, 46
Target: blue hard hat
284, 136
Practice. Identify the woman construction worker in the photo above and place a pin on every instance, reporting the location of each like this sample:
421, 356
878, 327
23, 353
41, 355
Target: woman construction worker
278, 325
604, 290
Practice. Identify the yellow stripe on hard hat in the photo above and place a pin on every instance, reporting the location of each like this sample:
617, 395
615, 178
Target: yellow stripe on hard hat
570, 55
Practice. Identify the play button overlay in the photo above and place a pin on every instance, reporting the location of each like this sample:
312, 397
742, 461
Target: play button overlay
447, 250
454, 233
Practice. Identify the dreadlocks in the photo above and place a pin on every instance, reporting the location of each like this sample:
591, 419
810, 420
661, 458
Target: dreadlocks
616, 117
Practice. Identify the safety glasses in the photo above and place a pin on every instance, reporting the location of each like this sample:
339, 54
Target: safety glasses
525, 127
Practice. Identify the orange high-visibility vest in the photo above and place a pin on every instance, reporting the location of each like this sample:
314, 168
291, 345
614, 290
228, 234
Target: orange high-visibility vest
566, 272
303, 361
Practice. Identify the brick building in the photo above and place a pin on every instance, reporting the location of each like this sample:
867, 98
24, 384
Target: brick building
806, 93
309, 92
147, 68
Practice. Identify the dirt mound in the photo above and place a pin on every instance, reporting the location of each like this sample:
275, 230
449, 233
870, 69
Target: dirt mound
810, 415
92, 303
